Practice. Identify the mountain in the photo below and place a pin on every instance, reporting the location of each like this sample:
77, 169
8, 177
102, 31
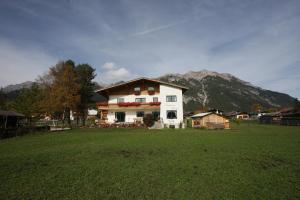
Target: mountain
224, 91
207, 89
13, 91
11, 88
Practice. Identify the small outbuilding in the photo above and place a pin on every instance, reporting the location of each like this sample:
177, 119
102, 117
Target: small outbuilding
210, 120
9, 123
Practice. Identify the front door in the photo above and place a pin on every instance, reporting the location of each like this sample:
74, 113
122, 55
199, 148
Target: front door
120, 116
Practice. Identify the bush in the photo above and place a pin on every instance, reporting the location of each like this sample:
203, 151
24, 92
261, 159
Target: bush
148, 120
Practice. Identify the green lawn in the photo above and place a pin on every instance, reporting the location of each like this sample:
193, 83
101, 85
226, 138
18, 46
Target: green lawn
248, 162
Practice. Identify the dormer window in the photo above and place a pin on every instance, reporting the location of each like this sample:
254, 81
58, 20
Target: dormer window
137, 90
151, 90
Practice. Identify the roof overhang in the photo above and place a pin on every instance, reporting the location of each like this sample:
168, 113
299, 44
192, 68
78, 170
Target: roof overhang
143, 78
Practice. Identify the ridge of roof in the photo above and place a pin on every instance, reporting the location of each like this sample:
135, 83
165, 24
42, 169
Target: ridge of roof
202, 114
143, 78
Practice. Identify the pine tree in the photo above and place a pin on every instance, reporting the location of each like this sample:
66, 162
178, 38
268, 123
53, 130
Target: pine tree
85, 75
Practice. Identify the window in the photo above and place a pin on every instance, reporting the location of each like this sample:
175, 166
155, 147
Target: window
156, 115
155, 99
120, 116
140, 114
137, 89
151, 89
120, 100
171, 98
171, 114
140, 100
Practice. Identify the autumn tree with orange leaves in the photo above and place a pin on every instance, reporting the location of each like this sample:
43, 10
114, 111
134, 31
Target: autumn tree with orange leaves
61, 90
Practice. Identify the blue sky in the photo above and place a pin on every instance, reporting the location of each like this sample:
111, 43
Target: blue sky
256, 40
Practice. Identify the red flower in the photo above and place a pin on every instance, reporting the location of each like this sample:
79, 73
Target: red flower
126, 104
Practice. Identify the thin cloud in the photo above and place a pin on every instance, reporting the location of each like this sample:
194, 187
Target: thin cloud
159, 28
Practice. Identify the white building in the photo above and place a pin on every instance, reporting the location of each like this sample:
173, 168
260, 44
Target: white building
130, 101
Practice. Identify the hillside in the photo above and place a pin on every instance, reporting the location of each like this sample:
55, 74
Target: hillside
224, 91
15, 87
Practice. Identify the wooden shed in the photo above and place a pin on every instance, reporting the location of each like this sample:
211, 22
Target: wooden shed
210, 120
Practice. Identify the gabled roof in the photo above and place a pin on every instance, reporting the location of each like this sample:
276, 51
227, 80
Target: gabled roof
205, 114
10, 113
201, 114
147, 79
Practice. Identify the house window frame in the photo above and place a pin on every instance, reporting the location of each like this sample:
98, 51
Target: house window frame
138, 100
156, 115
151, 88
168, 111
137, 89
120, 100
116, 116
171, 98
155, 99
139, 112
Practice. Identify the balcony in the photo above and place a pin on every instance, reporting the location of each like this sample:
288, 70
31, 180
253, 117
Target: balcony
129, 106
102, 105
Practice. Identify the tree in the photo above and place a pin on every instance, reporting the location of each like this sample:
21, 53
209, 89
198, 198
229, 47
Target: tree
3, 99
256, 108
27, 102
297, 104
85, 75
61, 91
148, 120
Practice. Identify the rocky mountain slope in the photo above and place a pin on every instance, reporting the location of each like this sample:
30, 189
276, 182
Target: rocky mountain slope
224, 91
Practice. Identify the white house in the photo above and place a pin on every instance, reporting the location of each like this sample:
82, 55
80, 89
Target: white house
130, 101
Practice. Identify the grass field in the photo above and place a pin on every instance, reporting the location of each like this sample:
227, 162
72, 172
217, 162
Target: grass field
248, 162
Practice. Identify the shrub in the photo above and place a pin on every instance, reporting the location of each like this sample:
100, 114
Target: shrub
148, 120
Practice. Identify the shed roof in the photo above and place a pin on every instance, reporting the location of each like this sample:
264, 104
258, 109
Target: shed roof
10, 113
201, 114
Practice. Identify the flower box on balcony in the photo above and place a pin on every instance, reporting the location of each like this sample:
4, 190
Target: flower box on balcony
155, 103
126, 104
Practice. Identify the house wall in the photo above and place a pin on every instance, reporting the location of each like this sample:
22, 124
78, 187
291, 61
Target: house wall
165, 106
130, 116
161, 92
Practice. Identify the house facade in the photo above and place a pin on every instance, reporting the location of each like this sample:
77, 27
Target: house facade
129, 102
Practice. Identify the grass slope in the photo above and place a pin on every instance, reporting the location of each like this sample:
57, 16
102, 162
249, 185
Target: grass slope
248, 162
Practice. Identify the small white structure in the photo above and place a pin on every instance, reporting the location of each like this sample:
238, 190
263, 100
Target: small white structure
92, 112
